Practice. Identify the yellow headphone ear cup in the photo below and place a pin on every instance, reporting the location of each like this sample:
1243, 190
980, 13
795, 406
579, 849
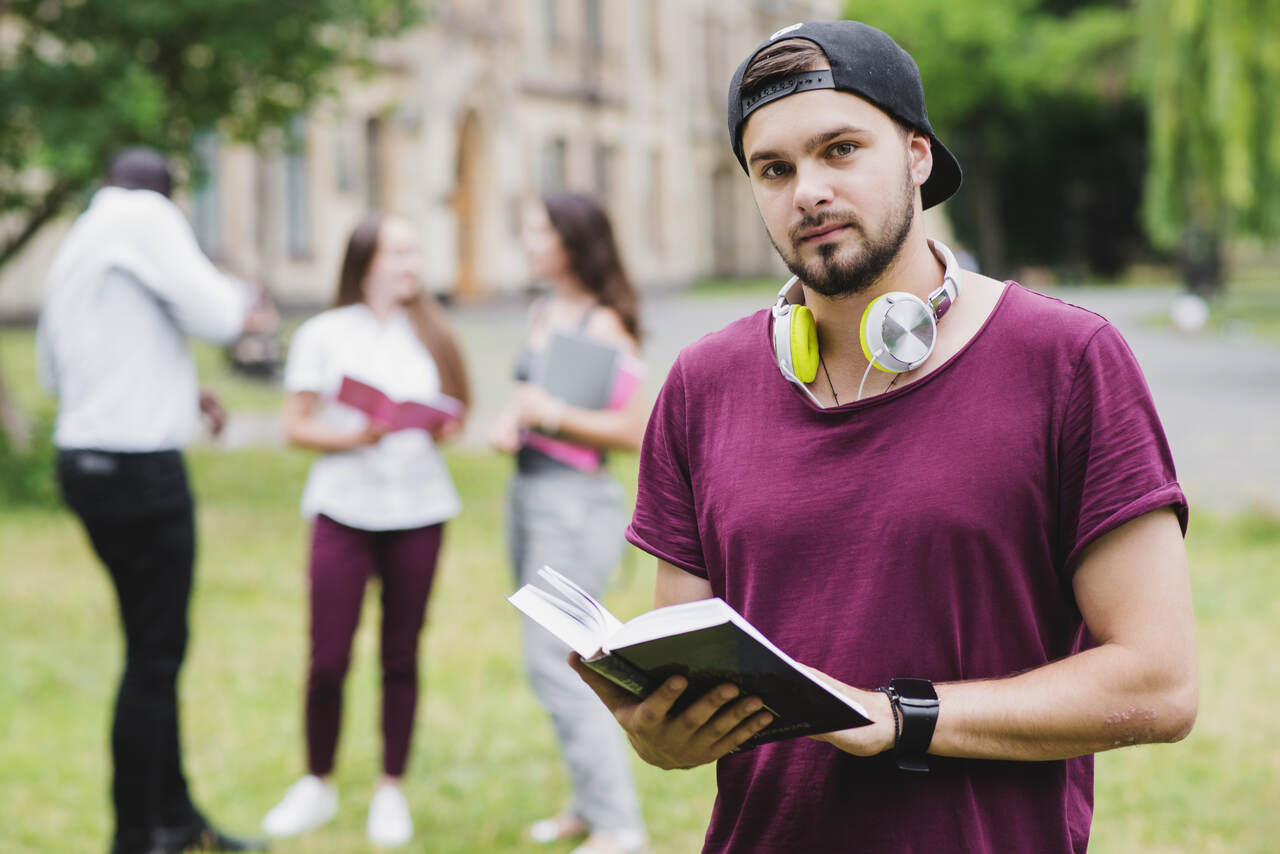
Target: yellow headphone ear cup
862, 332
804, 344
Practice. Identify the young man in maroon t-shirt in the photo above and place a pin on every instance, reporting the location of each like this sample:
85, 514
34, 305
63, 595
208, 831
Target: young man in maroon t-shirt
971, 525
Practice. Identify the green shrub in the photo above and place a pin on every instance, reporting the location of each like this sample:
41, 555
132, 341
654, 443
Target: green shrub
27, 477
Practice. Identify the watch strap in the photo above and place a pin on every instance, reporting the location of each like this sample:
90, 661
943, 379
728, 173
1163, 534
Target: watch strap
917, 705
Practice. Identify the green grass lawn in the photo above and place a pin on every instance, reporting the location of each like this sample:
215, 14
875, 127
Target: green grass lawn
484, 763
483, 766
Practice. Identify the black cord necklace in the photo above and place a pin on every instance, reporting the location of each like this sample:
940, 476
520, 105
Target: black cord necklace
832, 385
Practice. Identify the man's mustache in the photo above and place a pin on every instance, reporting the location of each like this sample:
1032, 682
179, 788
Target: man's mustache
814, 221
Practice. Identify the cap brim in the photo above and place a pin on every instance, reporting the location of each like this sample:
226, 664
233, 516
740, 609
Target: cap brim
945, 178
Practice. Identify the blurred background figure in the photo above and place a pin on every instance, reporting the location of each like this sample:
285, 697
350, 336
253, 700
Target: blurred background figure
378, 498
572, 518
1189, 312
126, 287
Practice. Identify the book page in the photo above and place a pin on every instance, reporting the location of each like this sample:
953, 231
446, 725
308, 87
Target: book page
671, 620
550, 613
596, 615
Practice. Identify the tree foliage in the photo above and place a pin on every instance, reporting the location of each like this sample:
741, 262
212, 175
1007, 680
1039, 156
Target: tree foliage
79, 79
1038, 100
1212, 74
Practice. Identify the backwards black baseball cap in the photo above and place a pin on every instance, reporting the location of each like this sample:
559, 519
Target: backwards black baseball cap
865, 62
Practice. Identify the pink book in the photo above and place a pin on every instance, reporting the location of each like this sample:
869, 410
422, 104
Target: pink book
399, 415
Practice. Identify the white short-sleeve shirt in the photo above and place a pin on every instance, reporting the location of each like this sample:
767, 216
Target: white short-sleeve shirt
401, 481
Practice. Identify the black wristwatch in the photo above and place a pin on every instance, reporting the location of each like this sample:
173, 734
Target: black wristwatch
917, 703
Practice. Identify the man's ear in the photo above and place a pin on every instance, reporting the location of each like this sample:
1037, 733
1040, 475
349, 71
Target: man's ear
920, 157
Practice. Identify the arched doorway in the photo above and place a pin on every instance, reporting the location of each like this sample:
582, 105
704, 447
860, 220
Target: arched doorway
466, 207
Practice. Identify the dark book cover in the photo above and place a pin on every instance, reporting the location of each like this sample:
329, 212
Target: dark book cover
725, 653
706, 641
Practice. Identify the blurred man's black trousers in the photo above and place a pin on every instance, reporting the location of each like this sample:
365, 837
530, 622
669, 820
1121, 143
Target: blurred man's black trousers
138, 513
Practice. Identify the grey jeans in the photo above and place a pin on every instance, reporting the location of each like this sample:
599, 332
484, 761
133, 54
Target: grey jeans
573, 521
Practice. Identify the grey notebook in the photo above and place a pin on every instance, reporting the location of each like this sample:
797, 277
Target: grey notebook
579, 370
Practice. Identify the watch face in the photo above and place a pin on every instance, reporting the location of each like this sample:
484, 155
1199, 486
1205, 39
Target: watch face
915, 689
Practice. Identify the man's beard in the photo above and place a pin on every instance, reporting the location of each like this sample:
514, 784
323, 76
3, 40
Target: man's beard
861, 266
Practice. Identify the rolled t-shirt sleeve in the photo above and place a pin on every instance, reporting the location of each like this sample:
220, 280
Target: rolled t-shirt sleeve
1115, 462
665, 523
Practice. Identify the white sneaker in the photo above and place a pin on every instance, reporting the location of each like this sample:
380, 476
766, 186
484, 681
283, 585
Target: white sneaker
389, 821
632, 841
306, 805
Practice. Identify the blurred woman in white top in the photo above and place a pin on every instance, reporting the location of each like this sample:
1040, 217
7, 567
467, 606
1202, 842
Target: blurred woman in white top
378, 500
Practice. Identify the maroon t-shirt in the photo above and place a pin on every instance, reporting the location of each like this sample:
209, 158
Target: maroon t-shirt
930, 532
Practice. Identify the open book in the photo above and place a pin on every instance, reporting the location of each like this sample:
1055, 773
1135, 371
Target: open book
399, 415
706, 641
587, 373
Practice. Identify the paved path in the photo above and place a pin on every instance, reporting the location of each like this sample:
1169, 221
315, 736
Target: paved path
1219, 397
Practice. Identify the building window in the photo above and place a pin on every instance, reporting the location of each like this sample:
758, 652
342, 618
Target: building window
655, 211
554, 155
206, 201
594, 27
297, 196
373, 136
713, 53
343, 168
723, 216
550, 22
602, 165
653, 28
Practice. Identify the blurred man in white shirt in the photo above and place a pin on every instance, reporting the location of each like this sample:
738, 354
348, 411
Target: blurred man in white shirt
126, 287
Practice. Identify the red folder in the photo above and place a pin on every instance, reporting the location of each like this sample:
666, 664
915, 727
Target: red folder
399, 415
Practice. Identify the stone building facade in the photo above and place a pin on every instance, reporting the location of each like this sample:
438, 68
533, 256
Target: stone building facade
484, 106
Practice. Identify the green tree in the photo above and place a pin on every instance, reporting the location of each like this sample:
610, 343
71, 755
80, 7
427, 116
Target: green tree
1212, 74
79, 79
1038, 100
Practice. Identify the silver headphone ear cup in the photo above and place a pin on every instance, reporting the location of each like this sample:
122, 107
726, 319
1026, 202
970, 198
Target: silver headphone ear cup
898, 332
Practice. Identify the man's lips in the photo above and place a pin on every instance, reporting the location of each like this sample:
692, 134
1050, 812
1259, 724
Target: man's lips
819, 234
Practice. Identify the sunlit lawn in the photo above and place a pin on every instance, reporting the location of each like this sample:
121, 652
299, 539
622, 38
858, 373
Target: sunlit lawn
484, 764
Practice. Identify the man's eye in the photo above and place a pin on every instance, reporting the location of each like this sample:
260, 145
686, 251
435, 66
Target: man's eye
774, 170
843, 149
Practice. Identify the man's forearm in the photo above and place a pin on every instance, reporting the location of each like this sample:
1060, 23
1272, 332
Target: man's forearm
1097, 700
1137, 685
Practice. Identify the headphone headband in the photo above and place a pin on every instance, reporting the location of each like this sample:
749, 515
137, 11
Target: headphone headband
792, 293
941, 300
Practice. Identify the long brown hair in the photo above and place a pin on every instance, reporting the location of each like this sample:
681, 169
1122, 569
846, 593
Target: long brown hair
428, 317
587, 237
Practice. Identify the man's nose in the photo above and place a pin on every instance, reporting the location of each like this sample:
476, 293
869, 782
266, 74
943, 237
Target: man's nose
812, 188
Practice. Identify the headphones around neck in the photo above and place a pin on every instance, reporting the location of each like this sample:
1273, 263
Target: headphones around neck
897, 332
